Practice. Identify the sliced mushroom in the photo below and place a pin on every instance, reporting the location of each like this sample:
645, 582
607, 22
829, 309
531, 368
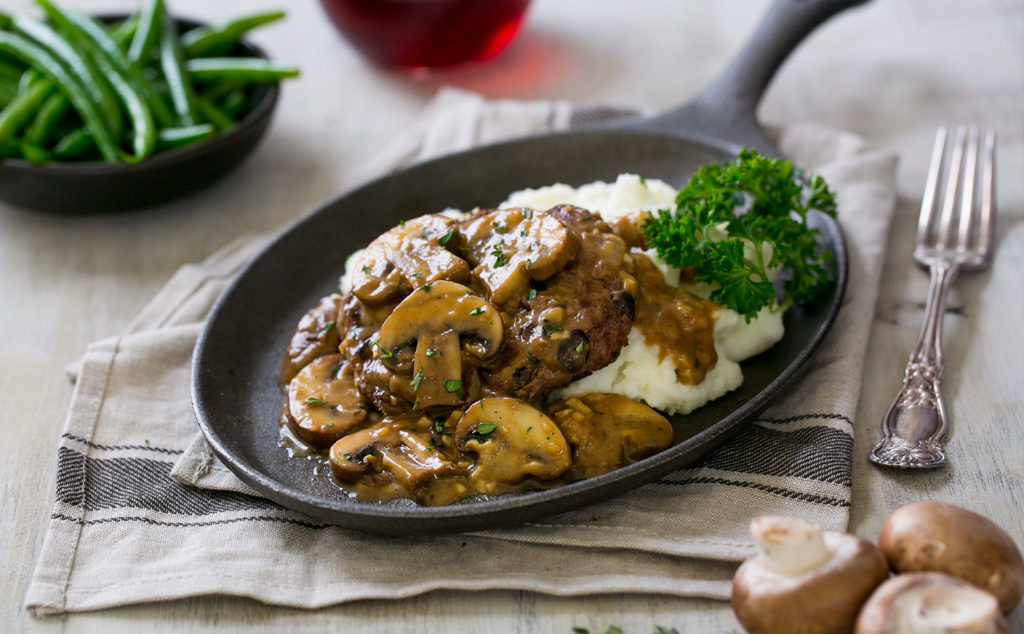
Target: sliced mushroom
939, 537
323, 403
804, 578
407, 256
424, 338
509, 247
930, 603
317, 334
511, 440
403, 455
607, 431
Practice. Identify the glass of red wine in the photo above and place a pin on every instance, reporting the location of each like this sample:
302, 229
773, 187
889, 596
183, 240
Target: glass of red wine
418, 35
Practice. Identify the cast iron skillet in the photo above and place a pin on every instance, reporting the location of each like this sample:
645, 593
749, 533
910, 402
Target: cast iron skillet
234, 377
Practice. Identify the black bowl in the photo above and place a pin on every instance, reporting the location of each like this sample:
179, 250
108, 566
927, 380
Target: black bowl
100, 187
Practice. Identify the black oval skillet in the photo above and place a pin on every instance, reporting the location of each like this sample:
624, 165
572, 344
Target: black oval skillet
234, 378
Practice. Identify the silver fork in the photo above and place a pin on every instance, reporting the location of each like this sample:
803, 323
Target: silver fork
958, 237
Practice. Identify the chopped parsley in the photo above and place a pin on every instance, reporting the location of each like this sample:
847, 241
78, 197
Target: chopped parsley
500, 259
523, 233
453, 385
439, 425
328, 326
778, 201
430, 352
479, 310
529, 428
531, 294
547, 328
416, 276
484, 429
527, 213
579, 347
446, 237
312, 400
366, 269
416, 380
499, 228
426, 288
384, 352
431, 446
353, 331
529, 262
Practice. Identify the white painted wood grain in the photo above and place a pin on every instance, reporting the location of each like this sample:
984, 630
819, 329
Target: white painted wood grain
891, 71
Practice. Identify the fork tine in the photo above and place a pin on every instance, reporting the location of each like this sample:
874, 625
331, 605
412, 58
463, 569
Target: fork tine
931, 188
988, 211
968, 211
943, 241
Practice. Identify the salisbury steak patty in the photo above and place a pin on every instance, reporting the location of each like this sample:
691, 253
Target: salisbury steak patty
575, 321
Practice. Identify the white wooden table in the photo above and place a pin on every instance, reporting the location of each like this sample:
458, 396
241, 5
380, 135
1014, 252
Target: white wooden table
892, 71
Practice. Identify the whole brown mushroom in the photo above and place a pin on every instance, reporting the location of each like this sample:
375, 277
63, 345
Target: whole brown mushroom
940, 537
930, 603
805, 580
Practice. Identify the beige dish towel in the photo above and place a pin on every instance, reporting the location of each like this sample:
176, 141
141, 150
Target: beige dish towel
144, 512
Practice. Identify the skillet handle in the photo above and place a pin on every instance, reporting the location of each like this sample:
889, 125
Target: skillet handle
726, 108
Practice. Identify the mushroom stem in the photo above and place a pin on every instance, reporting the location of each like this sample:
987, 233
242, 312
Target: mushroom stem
953, 610
789, 545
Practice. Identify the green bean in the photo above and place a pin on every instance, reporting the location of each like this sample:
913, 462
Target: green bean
172, 61
144, 137
212, 113
7, 92
43, 61
178, 137
29, 76
10, 149
89, 77
253, 69
94, 31
34, 153
124, 32
74, 144
47, 117
219, 39
9, 70
21, 109
216, 90
147, 32
235, 103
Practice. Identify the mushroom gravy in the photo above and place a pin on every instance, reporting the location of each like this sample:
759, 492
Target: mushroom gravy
432, 379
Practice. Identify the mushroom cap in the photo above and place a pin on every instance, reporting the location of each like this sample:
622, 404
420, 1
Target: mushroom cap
425, 339
512, 440
406, 256
940, 537
930, 603
509, 247
323, 402
607, 431
317, 334
824, 600
401, 455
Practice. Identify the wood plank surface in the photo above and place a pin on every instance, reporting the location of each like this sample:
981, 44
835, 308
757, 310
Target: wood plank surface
891, 71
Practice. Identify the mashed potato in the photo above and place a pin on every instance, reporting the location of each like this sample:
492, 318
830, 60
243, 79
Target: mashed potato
638, 373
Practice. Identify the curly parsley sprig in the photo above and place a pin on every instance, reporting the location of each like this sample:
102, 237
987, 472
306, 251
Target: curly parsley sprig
757, 200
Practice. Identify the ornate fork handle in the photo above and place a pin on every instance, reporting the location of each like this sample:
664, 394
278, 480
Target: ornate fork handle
915, 424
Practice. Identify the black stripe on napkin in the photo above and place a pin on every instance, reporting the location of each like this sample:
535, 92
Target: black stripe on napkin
813, 453
153, 522
170, 452
94, 484
787, 493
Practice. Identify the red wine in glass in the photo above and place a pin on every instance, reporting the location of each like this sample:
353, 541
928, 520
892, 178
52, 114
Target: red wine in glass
424, 34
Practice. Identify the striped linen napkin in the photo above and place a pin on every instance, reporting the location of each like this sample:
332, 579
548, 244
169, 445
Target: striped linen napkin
145, 512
